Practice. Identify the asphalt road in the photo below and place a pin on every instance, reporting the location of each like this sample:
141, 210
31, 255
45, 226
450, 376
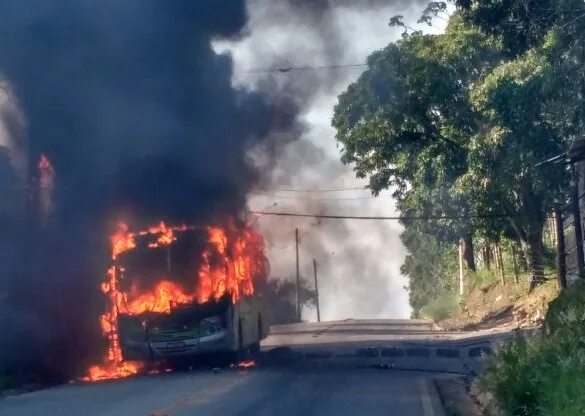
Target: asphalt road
262, 392
319, 386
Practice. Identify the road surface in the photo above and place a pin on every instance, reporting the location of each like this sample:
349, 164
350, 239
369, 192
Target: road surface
262, 392
344, 379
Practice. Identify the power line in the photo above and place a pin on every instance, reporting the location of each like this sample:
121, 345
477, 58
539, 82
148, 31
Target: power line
356, 188
382, 218
288, 69
296, 198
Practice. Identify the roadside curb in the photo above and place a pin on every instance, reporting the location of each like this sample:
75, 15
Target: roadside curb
455, 398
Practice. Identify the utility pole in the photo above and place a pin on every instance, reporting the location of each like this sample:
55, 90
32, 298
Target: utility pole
316, 290
577, 222
461, 269
560, 243
298, 276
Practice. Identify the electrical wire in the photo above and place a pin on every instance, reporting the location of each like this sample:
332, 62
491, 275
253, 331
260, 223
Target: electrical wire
382, 218
356, 188
296, 198
288, 69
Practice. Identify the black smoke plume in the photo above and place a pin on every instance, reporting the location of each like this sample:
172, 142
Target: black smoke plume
140, 120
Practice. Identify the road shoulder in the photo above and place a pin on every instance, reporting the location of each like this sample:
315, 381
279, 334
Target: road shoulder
455, 398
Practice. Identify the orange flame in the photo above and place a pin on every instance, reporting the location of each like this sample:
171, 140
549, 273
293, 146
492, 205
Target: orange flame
244, 365
241, 254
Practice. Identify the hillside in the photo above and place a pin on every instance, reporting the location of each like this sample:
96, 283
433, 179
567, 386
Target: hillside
495, 306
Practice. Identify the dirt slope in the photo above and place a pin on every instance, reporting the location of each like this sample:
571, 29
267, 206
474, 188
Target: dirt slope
496, 306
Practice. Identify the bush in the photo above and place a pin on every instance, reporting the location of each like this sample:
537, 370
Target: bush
484, 277
445, 306
543, 375
567, 310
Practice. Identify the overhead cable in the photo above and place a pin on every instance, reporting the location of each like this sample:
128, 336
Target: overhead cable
383, 218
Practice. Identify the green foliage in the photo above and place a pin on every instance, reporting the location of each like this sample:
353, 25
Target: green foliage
430, 266
456, 124
549, 257
483, 277
544, 375
512, 378
280, 297
445, 306
567, 311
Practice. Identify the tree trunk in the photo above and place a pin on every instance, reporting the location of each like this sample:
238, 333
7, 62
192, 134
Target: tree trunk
468, 252
515, 263
552, 220
487, 254
534, 257
500, 264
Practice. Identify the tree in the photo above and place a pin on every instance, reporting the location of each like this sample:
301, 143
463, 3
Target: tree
405, 123
454, 112
280, 298
532, 102
430, 266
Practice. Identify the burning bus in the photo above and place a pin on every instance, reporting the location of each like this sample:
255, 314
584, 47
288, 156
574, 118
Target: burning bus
165, 303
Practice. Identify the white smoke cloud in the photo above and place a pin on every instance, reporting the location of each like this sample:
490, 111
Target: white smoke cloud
359, 261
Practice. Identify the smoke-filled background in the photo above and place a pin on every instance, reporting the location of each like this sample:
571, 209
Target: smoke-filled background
358, 261
144, 118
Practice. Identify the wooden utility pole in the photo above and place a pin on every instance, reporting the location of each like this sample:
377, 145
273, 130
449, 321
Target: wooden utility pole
561, 252
461, 269
316, 290
515, 263
298, 285
576, 211
500, 263
552, 228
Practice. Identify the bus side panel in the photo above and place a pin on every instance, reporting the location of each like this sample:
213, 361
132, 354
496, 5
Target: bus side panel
249, 319
232, 319
249, 312
265, 318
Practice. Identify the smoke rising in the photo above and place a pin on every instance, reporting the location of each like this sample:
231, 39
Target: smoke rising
139, 117
358, 261
143, 119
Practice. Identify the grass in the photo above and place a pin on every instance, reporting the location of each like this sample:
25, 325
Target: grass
484, 277
545, 375
444, 307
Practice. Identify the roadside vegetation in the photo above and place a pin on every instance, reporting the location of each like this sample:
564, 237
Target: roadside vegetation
457, 125
543, 375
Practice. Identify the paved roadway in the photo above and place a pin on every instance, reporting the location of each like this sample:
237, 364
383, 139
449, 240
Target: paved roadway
307, 369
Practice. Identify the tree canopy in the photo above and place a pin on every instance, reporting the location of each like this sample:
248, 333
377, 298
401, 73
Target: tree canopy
457, 123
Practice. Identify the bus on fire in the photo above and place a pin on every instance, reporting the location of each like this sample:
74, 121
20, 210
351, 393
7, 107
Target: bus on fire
175, 305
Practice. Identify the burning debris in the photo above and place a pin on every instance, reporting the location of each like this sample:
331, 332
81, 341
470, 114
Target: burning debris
241, 261
244, 365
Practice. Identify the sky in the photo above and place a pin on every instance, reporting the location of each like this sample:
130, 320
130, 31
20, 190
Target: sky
358, 261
